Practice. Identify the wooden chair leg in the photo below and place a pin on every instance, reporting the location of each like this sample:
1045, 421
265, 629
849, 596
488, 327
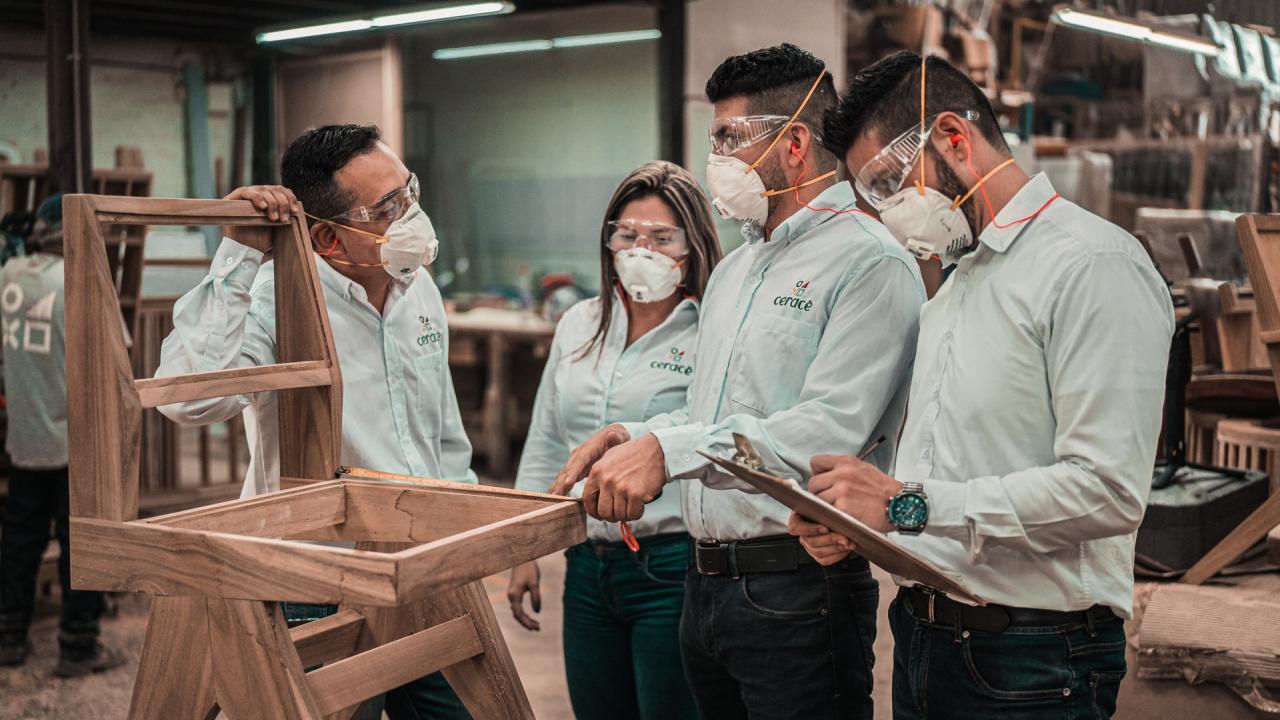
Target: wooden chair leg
175, 675
487, 684
257, 672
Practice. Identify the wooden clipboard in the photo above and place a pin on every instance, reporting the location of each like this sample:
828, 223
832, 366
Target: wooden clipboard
872, 545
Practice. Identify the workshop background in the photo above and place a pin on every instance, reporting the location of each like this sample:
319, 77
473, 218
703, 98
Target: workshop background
520, 124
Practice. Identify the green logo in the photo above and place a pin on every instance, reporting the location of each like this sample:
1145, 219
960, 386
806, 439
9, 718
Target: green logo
427, 333
674, 363
796, 298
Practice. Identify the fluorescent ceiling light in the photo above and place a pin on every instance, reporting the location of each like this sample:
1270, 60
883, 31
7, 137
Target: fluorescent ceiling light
434, 14
606, 38
444, 13
522, 46
1134, 30
507, 48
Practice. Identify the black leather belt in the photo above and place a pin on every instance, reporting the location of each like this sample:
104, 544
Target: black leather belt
935, 608
778, 553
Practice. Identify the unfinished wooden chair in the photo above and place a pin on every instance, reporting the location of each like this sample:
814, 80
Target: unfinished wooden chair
410, 597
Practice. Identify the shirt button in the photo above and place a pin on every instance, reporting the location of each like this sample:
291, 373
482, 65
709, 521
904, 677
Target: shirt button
222, 305
947, 337
964, 277
231, 261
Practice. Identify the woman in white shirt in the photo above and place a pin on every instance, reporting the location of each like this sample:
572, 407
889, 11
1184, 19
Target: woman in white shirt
626, 355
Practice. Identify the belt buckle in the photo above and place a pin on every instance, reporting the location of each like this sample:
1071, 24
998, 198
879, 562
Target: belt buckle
697, 556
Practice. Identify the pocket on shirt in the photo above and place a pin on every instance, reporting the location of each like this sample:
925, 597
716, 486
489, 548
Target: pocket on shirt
772, 361
665, 400
427, 373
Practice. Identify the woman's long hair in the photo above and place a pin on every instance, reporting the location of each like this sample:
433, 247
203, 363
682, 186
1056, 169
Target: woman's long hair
677, 188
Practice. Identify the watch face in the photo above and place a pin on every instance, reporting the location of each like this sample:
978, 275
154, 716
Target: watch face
908, 511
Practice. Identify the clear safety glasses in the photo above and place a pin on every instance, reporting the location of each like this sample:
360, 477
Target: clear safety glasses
667, 239
884, 174
730, 134
389, 208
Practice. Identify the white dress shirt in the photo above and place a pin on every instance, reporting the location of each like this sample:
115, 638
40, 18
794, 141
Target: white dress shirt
614, 383
1035, 407
399, 412
804, 346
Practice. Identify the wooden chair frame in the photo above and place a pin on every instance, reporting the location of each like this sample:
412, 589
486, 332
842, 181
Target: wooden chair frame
410, 598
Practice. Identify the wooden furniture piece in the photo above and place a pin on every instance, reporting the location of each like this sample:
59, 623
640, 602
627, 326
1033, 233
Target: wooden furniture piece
1260, 240
503, 333
409, 594
1249, 445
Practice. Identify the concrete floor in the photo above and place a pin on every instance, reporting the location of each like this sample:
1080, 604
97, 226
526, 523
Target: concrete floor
31, 693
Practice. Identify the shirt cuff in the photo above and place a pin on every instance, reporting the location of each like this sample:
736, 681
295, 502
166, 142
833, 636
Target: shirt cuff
946, 509
236, 264
679, 448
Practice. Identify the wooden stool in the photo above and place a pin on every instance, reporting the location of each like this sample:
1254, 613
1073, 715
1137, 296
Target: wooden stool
1248, 445
410, 598
1202, 428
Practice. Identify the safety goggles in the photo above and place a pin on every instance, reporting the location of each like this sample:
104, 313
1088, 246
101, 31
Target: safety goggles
667, 239
730, 134
884, 174
388, 208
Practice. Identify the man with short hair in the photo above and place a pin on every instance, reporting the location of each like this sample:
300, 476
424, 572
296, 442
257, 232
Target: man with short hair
371, 239
35, 380
1025, 463
805, 345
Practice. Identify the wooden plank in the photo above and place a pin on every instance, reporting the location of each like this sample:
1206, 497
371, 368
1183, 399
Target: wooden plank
124, 210
373, 672
1273, 545
487, 684
177, 637
310, 418
277, 515
355, 474
256, 672
327, 639
1246, 535
154, 392
378, 512
477, 553
104, 414
142, 557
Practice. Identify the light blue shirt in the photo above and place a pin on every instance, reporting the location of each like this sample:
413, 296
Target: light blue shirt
805, 344
1035, 408
35, 361
614, 383
399, 411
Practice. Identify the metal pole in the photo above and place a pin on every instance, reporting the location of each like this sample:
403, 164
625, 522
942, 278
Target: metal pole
66, 27
671, 68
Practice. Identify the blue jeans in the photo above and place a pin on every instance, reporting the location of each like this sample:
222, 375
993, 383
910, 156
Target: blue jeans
621, 630
427, 698
1071, 670
782, 645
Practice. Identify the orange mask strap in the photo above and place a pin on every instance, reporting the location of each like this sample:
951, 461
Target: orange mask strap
920, 179
378, 238
777, 137
963, 198
807, 183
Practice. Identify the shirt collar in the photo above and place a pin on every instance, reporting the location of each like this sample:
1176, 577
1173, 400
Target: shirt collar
837, 197
1025, 202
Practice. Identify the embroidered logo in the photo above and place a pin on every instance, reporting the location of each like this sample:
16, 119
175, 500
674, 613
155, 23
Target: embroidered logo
673, 363
427, 333
796, 298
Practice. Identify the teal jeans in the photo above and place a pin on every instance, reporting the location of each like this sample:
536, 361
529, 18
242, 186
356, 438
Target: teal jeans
622, 630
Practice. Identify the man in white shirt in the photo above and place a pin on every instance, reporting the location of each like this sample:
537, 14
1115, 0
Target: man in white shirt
1025, 462
400, 414
804, 343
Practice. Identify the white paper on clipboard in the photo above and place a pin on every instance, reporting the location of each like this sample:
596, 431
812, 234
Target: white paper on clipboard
871, 544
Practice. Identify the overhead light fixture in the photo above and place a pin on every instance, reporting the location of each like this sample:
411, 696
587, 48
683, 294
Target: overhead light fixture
1134, 30
414, 17
524, 46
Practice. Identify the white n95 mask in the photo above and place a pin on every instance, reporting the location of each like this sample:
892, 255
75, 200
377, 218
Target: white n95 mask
926, 224
737, 190
647, 276
411, 243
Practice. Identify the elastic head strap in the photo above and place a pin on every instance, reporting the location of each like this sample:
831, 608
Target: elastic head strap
920, 179
380, 238
807, 183
792, 121
961, 200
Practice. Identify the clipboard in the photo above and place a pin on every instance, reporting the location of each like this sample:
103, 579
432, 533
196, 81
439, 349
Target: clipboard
871, 544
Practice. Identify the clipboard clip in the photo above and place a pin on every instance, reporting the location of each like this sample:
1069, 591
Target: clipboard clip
745, 453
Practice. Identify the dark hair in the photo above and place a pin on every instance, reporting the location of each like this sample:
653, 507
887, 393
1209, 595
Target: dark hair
885, 97
774, 80
681, 192
309, 164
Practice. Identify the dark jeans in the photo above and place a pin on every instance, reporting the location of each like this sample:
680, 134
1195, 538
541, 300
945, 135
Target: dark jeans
622, 630
427, 698
37, 498
1025, 673
796, 644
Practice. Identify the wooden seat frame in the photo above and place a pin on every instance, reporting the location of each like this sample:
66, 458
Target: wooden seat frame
409, 595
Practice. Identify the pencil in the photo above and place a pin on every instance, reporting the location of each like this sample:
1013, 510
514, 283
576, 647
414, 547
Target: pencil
871, 448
